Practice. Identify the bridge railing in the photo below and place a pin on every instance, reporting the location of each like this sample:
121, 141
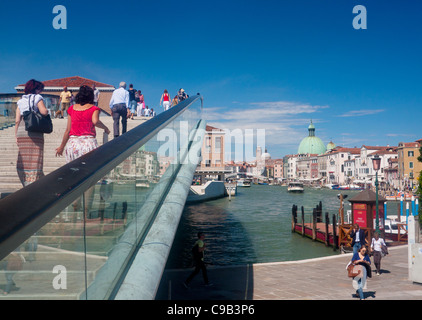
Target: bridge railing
60, 232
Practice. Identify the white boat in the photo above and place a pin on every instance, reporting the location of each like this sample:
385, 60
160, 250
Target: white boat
295, 187
142, 183
243, 183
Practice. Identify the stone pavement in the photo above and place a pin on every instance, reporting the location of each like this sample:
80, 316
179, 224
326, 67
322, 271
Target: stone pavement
313, 279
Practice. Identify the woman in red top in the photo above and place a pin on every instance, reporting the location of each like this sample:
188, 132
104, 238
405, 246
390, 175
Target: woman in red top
165, 99
80, 136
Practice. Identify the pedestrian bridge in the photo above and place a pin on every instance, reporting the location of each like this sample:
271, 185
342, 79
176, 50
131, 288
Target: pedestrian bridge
102, 226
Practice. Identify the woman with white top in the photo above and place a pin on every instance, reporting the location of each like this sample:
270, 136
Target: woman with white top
30, 144
376, 248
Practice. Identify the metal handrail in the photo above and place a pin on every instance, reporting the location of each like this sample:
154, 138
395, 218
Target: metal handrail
27, 210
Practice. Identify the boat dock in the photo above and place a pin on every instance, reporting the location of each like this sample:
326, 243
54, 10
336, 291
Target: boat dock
334, 234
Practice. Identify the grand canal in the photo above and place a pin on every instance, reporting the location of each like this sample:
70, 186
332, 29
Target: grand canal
254, 227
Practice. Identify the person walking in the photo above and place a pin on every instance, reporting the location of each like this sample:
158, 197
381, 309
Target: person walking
30, 162
198, 259
175, 100
65, 97
182, 95
141, 104
79, 137
376, 247
132, 100
96, 94
119, 105
165, 100
358, 238
362, 266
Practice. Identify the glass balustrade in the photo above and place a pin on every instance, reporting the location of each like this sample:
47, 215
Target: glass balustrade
82, 253
8, 107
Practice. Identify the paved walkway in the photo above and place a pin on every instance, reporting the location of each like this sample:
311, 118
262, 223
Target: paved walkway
314, 279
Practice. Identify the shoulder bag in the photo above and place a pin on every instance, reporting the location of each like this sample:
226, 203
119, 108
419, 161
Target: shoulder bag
35, 121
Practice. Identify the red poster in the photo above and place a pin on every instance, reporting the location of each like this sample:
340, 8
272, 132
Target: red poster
359, 215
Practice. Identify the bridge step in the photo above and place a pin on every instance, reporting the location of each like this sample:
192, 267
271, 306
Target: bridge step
9, 180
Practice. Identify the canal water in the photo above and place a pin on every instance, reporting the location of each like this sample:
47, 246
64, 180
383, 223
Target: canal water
254, 227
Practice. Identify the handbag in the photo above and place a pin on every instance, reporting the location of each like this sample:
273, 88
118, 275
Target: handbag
35, 121
15, 262
384, 250
350, 272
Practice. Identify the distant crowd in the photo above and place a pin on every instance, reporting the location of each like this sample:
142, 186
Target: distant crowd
83, 117
124, 104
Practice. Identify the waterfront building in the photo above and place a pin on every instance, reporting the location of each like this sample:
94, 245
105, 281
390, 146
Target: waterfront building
55, 87
408, 165
213, 148
391, 174
212, 166
278, 169
306, 165
335, 159
292, 167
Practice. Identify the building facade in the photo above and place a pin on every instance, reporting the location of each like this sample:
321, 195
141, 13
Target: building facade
55, 87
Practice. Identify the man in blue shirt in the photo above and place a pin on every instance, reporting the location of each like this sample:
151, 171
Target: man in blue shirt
119, 105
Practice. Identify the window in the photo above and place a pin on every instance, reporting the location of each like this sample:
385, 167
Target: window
410, 153
217, 144
410, 165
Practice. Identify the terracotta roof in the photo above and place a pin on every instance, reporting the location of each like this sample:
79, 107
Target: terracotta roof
209, 128
381, 152
409, 144
75, 81
344, 149
367, 195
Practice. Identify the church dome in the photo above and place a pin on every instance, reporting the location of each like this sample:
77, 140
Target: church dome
331, 145
266, 155
311, 144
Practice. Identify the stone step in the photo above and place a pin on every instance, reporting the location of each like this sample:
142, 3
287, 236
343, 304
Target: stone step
9, 181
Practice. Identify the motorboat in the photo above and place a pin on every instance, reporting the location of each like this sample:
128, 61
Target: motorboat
349, 187
295, 187
243, 182
142, 183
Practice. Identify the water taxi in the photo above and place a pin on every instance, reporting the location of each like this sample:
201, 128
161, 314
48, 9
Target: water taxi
243, 182
295, 187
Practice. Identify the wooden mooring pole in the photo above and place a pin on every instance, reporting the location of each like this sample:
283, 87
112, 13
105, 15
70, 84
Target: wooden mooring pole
335, 239
303, 222
327, 236
294, 217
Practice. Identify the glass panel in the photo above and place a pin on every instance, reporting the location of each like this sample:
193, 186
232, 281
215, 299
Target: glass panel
82, 252
50, 264
8, 107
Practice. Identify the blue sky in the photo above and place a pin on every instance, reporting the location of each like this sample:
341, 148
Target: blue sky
270, 65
